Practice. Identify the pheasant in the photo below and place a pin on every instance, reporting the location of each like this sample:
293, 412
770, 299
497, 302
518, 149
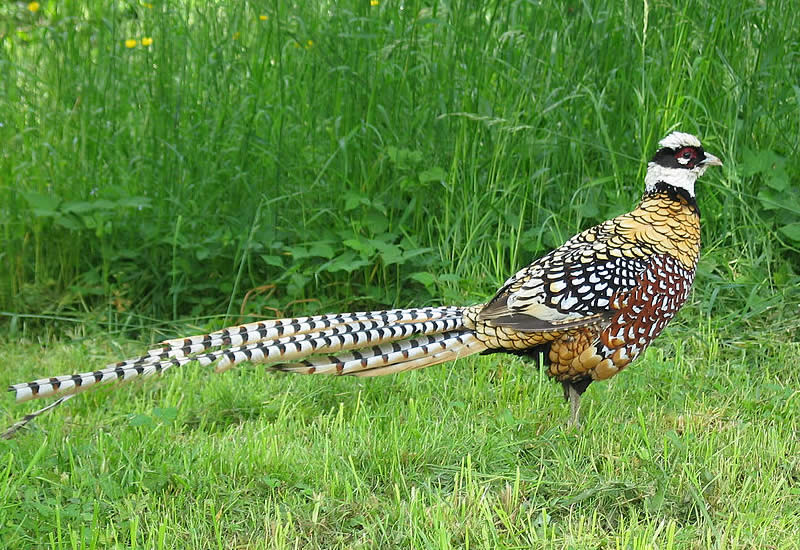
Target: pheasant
585, 310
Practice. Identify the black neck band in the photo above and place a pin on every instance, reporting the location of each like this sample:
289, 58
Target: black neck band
674, 193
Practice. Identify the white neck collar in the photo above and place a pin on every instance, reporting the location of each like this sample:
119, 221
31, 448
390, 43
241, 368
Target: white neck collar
680, 178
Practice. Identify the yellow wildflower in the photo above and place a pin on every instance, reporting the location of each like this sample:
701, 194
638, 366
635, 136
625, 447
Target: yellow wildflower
263, 17
34, 6
130, 43
147, 5
374, 3
309, 44
236, 35
147, 41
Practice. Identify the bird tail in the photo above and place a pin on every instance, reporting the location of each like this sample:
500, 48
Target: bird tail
361, 344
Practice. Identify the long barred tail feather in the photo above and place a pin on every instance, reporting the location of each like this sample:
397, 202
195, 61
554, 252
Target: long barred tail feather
372, 361
263, 331
361, 344
451, 349
339, 338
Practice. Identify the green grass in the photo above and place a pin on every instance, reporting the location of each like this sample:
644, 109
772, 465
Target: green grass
341, 156
693, 447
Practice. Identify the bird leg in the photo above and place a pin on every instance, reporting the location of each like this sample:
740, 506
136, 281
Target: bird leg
571, 394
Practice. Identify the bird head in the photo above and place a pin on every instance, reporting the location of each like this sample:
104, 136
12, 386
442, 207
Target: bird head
678, 163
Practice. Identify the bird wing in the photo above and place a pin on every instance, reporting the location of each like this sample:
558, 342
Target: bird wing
572, 286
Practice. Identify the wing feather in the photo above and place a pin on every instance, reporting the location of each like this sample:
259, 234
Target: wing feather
572, 286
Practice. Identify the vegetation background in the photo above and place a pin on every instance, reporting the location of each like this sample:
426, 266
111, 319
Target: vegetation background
176, 166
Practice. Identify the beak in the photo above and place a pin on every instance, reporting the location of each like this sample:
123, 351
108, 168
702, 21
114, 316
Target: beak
711, 160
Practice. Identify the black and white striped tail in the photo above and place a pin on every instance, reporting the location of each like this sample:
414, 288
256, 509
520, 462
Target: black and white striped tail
361, 344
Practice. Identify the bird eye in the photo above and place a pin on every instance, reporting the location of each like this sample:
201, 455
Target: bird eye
686, 155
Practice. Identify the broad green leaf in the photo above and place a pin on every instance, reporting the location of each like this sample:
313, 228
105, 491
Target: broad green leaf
166, 414
589, 209
770, 200
140, 420
273, 260
78, 207
433, 174
414, 252
42, 205
376, 222
353, 200
768, 163
316, 250
423, 277
348, 261
74, 222
404, 158
390, 253
203, 253
387, 237
778, 180
792, 231
321, 250
365, 248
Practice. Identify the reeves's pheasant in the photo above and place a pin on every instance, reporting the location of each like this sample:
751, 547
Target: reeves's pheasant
589, 307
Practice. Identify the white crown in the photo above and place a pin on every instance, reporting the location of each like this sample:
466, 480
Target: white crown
676, 140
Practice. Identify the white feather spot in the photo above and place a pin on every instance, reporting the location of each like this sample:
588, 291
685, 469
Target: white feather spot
569, 302
557, 287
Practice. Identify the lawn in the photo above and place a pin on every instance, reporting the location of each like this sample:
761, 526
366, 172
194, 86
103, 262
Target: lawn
174, 167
